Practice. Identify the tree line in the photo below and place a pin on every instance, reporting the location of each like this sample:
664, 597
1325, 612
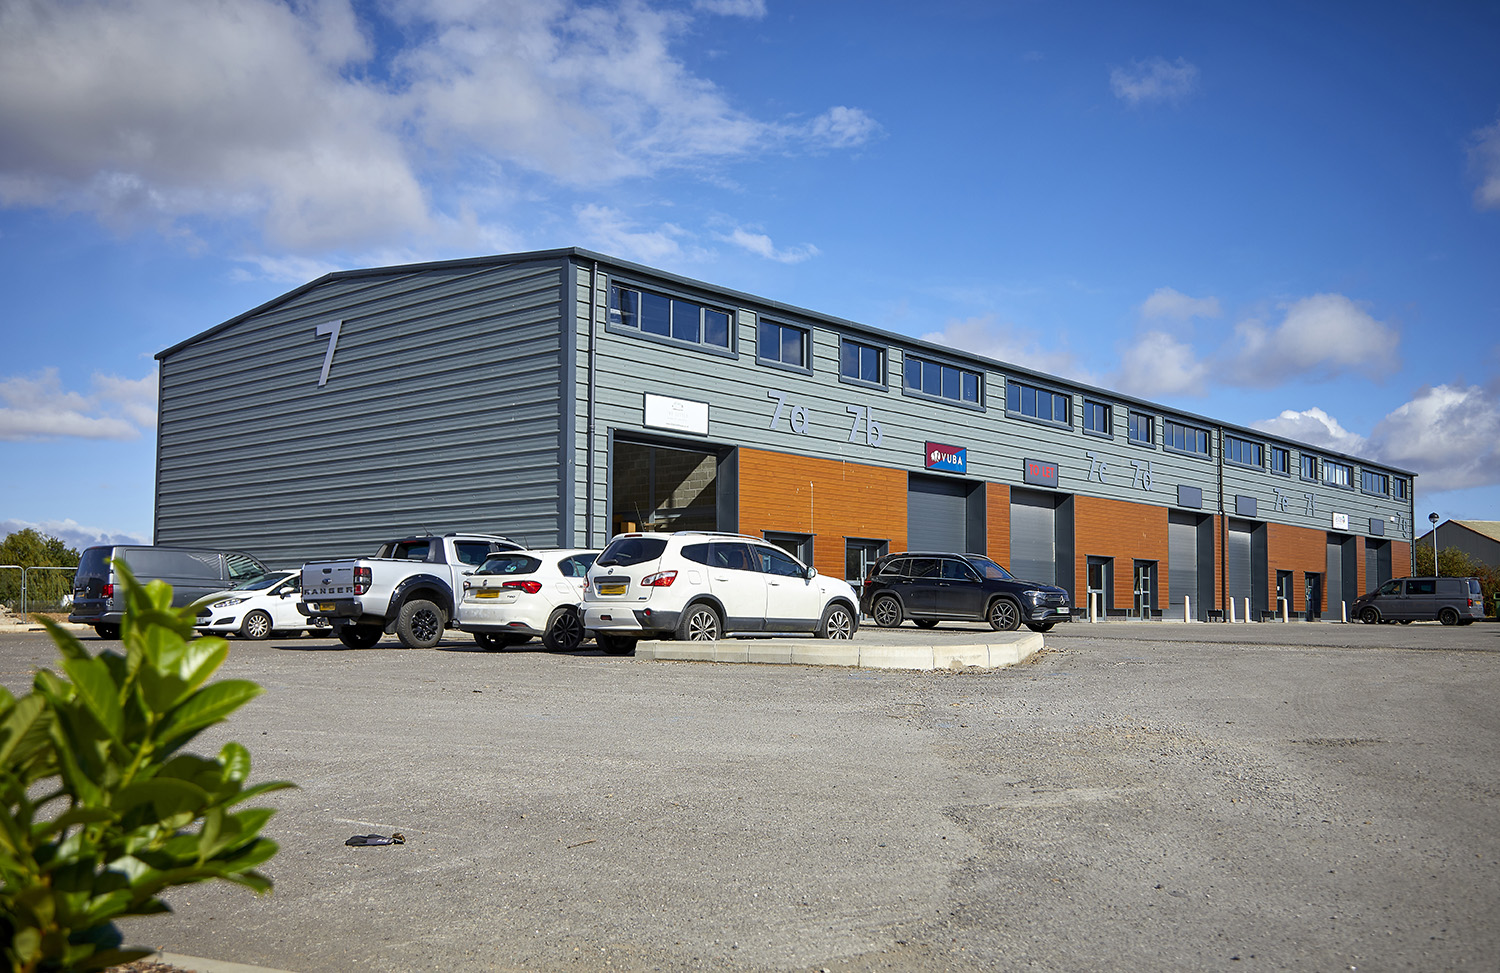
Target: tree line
31, 548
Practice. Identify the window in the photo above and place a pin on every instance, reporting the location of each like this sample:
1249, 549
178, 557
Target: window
1338, 474
1180, 436
785, 344
1037, 403
1376, 483
668, 317
861, 362
798, 546
1309, 467
940, 380
1142, 429
1243, 452
1400, 486
1280, 460
1098, 418
860, 554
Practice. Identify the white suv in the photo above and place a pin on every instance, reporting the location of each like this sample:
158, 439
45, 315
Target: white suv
698, 586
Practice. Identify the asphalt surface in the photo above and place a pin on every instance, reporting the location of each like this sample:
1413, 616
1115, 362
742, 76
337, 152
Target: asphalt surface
1142, 796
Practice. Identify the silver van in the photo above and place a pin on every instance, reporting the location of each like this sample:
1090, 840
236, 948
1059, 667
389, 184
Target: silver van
191, 572
1452, 601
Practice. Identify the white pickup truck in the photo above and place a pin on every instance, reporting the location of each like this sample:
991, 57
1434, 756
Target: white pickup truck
410, 587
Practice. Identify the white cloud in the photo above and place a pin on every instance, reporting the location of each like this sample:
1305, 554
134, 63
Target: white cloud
38, 407
608, 230
1157, 364
761, 245
1155, 79
987, 335
1448, 434
1321, 336
74, 534
1484, 155
154, 112
1314, 427
1168, 303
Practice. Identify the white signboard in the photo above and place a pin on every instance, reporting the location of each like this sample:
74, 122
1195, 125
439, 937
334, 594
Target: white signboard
679, 415
1340, 521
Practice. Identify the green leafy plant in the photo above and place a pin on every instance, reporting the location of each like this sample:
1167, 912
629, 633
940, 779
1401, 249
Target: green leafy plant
104, 809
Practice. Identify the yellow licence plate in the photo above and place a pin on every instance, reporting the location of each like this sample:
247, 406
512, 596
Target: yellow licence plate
486, 594
611, 589
325, 606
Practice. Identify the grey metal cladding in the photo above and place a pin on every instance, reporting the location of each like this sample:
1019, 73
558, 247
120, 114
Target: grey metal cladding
442, 411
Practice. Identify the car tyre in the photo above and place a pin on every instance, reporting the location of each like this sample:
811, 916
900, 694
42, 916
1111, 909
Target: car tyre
1040, 626
887, 611
700, 623
420, 624
1004, 615
1370, 616
564, 631
1448, 616
616, 644
107, 631
256, 626
359, 636
837, 623
925, 622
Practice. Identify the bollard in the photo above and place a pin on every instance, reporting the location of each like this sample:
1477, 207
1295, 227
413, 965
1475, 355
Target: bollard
1286, 610
1344, 611
1187, 608
1232, 619
1093, 610
1247, 609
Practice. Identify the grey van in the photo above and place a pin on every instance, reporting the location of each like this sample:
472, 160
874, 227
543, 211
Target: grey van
1452, 601
191, 572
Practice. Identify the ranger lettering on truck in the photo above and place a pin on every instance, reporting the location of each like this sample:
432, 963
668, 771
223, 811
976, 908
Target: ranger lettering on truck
410, 588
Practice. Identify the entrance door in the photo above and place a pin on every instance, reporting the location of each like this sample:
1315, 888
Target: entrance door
1033, 536
1101, 583
1283, 591
1313, 589
937, 514
1145, 588
658, 487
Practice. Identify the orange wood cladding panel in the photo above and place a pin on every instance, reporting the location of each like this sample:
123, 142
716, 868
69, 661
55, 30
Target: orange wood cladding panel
1126, 532
830, 499
997, 521
1400, 559
1301, 550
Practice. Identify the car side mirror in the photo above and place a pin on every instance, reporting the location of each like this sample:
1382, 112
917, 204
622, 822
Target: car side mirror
812, 572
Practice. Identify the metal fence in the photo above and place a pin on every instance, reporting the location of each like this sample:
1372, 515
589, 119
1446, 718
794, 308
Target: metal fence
42, 589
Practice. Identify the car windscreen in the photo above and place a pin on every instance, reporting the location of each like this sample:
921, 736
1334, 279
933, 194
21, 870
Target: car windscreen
625, 551
989, 569
94, 563
261, 583
509, 564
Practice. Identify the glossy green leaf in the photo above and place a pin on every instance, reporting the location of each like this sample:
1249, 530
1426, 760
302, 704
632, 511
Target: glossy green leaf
209, 705
92, 681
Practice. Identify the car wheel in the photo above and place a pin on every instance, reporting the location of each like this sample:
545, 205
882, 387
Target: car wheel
1370, 616
700, 623
359, 636
887, 611
925, 622
107, 631
1448, 616
838, 623
616, 644
256, 626
1004, 615
1040, 626
564, 631
420, 624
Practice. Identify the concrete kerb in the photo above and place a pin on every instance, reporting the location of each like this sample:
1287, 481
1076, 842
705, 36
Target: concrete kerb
994, 653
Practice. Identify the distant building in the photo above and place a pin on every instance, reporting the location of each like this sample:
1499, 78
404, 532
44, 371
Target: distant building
1480, 539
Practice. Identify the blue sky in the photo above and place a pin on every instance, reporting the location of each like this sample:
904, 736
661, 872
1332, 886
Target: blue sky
1283, 215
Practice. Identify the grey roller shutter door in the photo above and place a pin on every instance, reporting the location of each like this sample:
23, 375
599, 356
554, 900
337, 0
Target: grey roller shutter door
1333, 584
1182, 569
1033, 537
1237, 565
937, 515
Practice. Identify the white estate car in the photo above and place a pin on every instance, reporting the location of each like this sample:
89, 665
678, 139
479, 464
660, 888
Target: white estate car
697, 585
258, 609
517, 595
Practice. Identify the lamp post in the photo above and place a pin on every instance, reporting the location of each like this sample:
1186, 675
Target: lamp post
1433, 519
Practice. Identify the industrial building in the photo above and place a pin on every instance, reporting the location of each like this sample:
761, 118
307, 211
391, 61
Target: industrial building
562, 396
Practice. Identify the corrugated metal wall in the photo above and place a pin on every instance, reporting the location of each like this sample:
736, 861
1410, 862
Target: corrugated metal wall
442, 411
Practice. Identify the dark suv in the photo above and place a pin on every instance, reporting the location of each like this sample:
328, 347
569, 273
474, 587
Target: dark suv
929, 588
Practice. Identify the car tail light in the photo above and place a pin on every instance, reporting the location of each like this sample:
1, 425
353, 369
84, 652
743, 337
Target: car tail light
361, 580
661, 579
108, 591
530, 587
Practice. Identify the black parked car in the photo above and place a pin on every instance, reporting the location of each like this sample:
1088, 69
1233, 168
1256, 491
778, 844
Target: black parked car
929, 588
